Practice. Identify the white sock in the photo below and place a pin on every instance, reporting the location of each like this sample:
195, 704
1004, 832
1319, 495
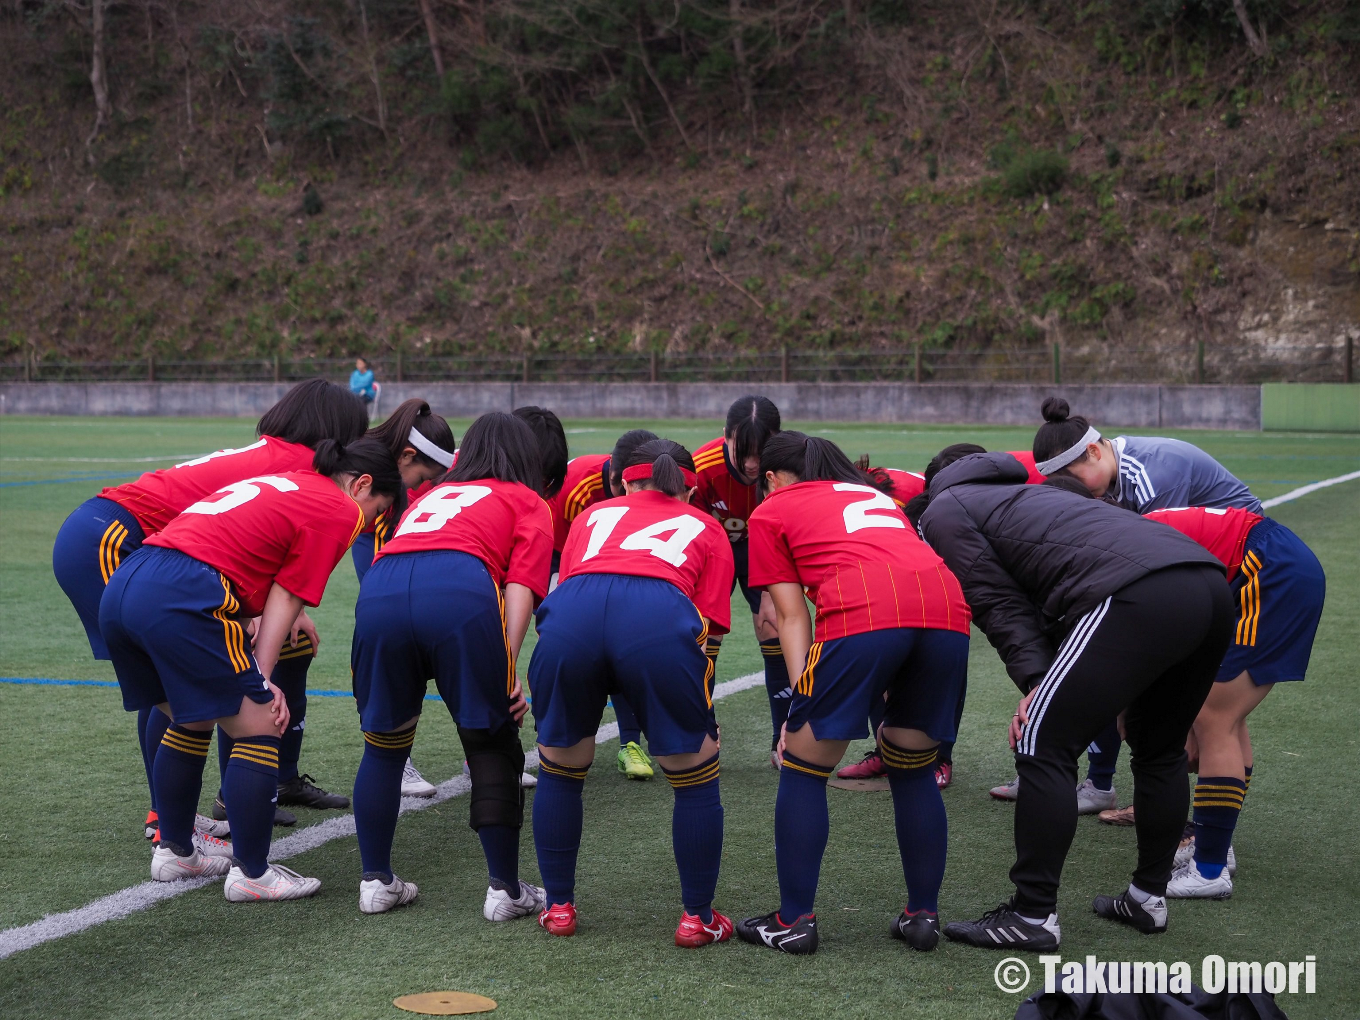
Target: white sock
1038, 922
1138, 895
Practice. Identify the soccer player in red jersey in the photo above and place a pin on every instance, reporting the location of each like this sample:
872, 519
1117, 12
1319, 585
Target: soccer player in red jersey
171, 620
645, 579
107, 529
727, 470
449, 597
890, 618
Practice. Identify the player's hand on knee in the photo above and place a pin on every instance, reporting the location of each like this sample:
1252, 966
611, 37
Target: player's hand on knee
304, 625
278, 709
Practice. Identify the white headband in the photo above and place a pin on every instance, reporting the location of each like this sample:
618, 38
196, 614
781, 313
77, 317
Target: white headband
1047, 467
430, 450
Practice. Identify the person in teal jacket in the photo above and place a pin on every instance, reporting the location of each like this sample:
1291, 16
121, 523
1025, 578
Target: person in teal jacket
361, 382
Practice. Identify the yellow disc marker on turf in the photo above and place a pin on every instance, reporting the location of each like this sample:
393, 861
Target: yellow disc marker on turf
445, 1003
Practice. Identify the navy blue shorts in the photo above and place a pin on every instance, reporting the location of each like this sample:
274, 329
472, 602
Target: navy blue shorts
171, 627
600, 634
97, 536
431, 615
922, 671
1279, 597
361, 552
741, 559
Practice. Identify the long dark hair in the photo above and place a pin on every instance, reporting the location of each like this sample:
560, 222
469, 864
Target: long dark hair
552, 445
874, 476
363, 457
623, 449
313, 411
395, 432
1068, 483
499, 445
916, 506
1060, 431
751, 422
809, 459
666, 458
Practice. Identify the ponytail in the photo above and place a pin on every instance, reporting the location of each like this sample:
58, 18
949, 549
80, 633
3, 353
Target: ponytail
623, 449
809, 459
414, 415
1060, 441
875, 477
363, 457
662, 465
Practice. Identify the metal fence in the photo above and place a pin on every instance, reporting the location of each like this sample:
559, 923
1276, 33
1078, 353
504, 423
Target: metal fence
1091, 363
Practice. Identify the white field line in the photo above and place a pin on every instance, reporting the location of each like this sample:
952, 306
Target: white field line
147, 894
1306, 489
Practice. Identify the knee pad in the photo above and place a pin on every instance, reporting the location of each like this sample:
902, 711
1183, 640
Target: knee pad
496, 762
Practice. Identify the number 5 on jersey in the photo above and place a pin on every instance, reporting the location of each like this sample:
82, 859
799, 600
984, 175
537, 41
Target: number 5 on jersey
682, 530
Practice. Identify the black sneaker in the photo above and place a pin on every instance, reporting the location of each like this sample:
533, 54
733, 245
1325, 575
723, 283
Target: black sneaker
1148, 917
1003, 928
920, 930
797, 939
281, 817
303, 790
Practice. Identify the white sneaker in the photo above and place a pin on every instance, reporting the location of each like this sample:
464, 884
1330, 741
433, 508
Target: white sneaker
211, 826
1188, 884
277, 883
1091, 801
1010, 791
413, 784
1185, 855
168, 866
378, 897
211, 846
501, 906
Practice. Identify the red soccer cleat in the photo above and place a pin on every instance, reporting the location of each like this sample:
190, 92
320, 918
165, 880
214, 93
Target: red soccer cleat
152, 826
693, 933
559, 919
944, 774
871, 767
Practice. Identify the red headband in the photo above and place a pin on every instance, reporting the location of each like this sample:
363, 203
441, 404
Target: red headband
640, 471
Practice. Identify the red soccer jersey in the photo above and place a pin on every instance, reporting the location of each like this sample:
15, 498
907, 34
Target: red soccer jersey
504, 524
158, 497
650, 534
1027, 459
862, 565
720, 493
1222, 532
906, 485
290, 528
585, 485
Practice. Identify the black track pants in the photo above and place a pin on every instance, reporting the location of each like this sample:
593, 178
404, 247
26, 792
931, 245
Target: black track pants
1153, 648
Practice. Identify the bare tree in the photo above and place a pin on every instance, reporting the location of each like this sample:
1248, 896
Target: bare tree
432, 29
99, 79
373, 69
1256, 40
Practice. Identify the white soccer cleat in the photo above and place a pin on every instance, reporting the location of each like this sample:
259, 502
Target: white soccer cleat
501, 906
1188, 884
211, 846
528, 780
1007, 791
277, 883
168, 866
211, 826
378, 897
1091, 801
413, 784
1185, 854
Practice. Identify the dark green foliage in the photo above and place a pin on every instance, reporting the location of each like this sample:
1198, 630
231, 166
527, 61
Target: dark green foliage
311, 201
1112, 155
302, 103
1036, 172
932, 166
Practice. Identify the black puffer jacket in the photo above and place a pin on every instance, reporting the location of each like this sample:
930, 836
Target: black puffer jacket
1033, 559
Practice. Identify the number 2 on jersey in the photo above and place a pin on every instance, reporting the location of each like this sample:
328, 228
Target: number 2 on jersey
857, 516
683, 530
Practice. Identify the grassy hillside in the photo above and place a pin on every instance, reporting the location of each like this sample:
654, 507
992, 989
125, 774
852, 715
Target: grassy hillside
1127, 179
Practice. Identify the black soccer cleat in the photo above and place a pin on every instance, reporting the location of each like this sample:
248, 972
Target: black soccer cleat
1148, 917
920, 930
303, 791
1003, 928
796, 939
281, 817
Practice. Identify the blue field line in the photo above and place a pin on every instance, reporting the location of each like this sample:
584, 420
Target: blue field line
73, 478
45, 681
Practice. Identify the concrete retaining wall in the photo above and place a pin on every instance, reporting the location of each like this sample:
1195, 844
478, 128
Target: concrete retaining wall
1137, 406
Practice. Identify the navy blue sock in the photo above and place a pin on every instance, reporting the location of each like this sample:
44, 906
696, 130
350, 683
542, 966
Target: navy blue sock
777, 686
801, 828
500, 845
151, 726
249, 789
922, 827
697, 835
377, 797
630, 730
558, 816
178, 777
1102, 757
224, 746
290, 676
1218, 802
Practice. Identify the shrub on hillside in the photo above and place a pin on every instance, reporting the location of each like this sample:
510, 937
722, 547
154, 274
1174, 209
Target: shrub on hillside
1037, 172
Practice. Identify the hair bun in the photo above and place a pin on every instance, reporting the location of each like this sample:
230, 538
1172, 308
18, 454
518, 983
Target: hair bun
1056, 409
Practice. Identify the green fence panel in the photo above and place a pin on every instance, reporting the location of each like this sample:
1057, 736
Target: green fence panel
1309, 407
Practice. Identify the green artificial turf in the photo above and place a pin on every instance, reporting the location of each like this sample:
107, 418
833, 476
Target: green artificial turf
72, 796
